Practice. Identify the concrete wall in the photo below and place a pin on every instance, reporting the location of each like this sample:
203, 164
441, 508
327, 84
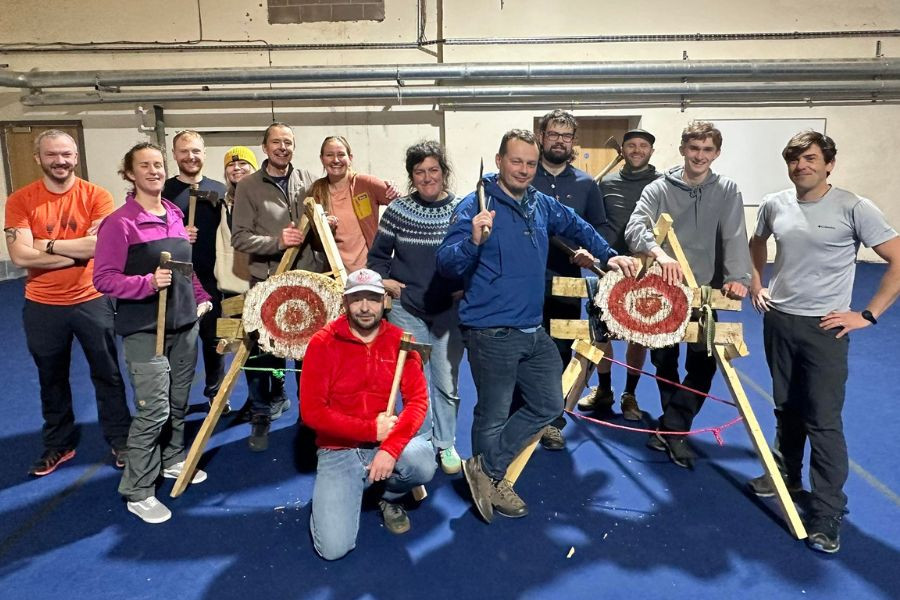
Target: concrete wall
379, 134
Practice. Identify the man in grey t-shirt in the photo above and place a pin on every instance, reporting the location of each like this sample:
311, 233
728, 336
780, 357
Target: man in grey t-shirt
818, 229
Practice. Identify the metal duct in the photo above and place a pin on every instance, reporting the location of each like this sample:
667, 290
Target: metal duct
429, 93
732, 69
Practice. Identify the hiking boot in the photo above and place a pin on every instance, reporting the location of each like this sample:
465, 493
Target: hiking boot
395, 518
552, 438
679, 450
120, 455
506, 501
762, 486
150, 510
259, 433
481, 487
174, 472
450, 461
630, 409
824, 534
49, 460
279, 407
597, 401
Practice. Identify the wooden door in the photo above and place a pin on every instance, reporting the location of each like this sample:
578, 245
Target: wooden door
591, 153
18, 151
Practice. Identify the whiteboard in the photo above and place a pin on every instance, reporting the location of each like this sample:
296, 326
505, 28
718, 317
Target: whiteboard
751, 153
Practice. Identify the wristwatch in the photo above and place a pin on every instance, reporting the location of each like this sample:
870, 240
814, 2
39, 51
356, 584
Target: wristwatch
869, 317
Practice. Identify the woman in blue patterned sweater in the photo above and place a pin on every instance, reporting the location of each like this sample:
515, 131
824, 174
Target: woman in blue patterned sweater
409, 234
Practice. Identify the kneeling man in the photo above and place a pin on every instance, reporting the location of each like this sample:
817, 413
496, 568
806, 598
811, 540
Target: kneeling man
344, 387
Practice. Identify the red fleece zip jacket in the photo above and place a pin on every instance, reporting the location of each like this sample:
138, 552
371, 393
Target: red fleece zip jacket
345, 384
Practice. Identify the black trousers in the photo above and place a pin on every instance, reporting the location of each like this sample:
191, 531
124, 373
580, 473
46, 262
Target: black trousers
681, 406
213, 362
809, 374
49, 331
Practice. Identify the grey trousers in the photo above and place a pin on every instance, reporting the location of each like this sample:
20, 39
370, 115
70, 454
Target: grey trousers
161, 387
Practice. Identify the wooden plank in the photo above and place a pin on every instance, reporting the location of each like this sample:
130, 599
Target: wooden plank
677, 250
569, 329
229, 328
574, 287
327, 237
226, 346
759, 443
574, 379
233, 306
726, 333
209, 423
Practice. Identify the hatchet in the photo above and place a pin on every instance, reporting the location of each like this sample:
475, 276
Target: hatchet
613, 144
185, 268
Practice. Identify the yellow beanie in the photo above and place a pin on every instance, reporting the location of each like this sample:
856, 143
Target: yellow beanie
240, 153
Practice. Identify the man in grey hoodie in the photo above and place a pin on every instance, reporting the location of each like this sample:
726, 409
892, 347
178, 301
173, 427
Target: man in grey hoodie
708, 214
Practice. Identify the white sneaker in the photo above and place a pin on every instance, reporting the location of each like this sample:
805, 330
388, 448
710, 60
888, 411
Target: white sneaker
150, 510
451, 464
174, 472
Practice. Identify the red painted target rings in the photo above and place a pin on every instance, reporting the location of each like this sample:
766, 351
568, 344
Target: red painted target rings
647, 311
288, 309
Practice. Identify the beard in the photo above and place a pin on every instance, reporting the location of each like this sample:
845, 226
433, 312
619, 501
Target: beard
48, 171
557, 155
190, 168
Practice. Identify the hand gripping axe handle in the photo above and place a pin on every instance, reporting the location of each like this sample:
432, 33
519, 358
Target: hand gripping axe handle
482, 204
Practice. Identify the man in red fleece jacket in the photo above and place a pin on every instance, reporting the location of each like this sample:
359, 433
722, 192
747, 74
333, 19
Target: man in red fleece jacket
344, 387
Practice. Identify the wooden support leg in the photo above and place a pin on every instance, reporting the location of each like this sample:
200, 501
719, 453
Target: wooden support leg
574, 379
759, 442
209, 423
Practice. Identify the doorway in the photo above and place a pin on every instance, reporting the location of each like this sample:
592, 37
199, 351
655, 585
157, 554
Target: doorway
17, 145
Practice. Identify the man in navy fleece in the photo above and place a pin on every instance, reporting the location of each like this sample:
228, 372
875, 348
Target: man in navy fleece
501, 312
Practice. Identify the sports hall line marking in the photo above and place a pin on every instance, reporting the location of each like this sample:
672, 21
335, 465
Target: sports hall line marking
854, 466
47, 508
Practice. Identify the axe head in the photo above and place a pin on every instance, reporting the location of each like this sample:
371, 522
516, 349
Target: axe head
423, 350
210, 196
177, 266
613, 144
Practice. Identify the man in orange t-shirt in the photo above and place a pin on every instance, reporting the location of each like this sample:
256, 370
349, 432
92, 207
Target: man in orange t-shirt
51, 227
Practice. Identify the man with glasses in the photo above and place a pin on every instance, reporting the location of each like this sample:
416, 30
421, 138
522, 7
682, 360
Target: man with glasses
576, 189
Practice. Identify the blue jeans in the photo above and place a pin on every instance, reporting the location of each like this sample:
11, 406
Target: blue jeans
442, 370
341, 478
503, 359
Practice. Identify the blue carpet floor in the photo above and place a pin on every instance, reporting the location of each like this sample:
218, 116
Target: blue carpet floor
609, 518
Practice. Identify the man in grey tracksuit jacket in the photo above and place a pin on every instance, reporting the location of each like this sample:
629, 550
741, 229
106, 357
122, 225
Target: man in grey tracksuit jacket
708, 218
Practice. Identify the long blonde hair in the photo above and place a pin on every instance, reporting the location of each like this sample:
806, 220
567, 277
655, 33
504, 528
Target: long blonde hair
319, 189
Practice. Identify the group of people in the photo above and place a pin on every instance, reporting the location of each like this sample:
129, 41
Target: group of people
461, 276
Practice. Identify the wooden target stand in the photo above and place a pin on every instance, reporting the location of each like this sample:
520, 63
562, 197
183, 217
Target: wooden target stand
728, 345
230, 329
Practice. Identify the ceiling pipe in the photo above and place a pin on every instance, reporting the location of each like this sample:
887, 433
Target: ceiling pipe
734, 69
433, 93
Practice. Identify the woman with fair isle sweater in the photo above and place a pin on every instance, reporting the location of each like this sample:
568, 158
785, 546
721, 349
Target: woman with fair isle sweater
127, 267
351, 200
409, 234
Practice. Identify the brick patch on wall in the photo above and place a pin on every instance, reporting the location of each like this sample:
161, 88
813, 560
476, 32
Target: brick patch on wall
309, 11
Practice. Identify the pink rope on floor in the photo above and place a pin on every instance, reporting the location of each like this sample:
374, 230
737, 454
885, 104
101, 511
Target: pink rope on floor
716, 431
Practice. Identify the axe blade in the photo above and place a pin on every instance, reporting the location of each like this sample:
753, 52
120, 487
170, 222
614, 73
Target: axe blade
177, 266
423, 350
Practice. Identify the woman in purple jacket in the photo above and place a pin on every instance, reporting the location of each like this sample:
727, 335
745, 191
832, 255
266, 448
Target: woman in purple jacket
127, 267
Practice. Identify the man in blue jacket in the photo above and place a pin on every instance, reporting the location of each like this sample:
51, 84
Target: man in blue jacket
501, 312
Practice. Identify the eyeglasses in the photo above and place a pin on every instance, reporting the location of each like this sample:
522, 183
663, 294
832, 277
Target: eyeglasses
555, 135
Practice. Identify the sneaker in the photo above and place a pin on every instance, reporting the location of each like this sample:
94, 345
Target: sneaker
597, 401
259, 433
174, 472
450, 461
655, 442
679, 450
49, 460
279, 407
630, 409
120, 455
506, 501
395, 518
762, 486
824, 534
552, 438
481, 487
150, 510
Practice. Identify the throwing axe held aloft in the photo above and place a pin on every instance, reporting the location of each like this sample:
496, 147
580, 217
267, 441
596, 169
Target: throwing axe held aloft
176, 266
612, 144
482, 203
195, 194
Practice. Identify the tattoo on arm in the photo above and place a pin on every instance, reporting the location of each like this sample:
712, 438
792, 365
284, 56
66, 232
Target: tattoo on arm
11, 234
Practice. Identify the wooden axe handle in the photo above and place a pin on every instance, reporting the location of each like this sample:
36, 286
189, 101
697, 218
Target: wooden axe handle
192, 204
405, 340
482, 206
559, 243
164, 257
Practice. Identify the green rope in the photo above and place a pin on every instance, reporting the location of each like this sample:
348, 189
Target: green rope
277, 373
707, 322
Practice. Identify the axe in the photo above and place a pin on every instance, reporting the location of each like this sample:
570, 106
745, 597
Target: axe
482, 205
612, 144
570, 251
185, 268
195, 194
406, 346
